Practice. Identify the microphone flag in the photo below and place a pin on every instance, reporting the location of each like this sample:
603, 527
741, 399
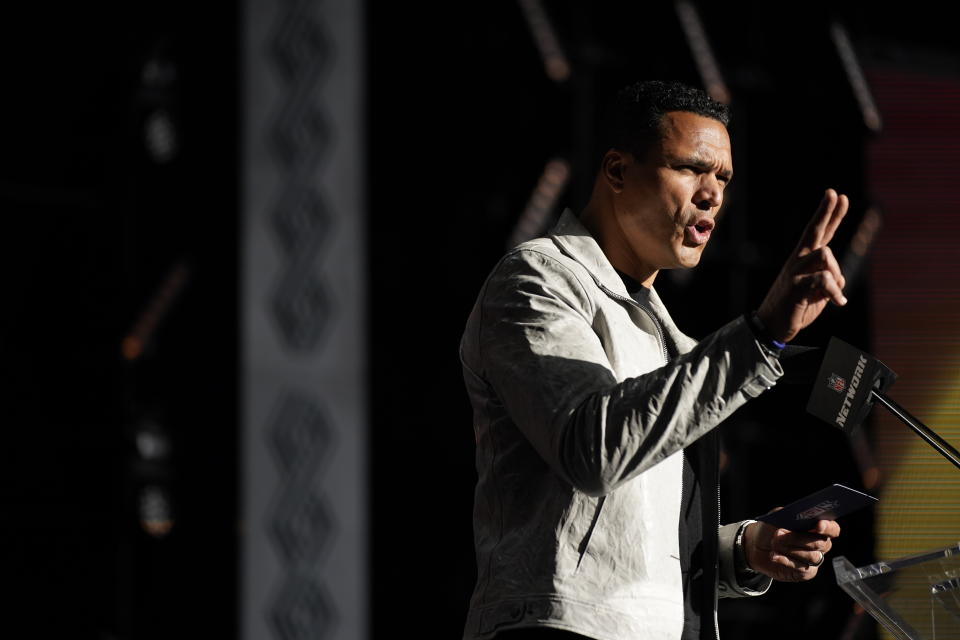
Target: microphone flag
842, 391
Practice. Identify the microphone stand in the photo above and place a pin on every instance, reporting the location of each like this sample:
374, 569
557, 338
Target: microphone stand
922, 430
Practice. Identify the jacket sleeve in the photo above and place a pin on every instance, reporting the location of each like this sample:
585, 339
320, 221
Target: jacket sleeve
537, 348
734, 584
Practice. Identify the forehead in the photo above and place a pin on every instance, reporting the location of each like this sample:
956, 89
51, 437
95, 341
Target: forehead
686, 133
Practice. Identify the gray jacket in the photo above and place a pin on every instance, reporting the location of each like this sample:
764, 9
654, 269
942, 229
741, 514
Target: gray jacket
580, 422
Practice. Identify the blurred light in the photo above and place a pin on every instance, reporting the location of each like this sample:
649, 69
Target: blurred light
702, 54
871, 478
866, 462
156, 511
860, 244
160, 136
866, 232
861, 91
131, 347
536, 216
158, 73
158, 78
853, 630
136, 341
152, 443
555, 62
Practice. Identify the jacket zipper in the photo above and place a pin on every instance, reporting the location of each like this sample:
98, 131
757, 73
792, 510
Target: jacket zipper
663, 351
656, 323
617, 296
716, 619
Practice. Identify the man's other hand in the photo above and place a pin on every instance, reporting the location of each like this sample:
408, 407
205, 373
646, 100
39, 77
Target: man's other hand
785, 555
810, 277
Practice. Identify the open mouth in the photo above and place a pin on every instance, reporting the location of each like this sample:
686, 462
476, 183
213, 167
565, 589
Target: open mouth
699, 232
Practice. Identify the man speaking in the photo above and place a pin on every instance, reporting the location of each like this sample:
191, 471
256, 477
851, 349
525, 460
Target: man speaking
596, 509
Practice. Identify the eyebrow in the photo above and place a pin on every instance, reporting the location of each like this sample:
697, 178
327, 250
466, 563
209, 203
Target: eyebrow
700, 163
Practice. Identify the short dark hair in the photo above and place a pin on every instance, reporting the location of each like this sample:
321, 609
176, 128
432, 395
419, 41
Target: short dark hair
635, 119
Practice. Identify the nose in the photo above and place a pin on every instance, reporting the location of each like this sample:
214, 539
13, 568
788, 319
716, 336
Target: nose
709, 194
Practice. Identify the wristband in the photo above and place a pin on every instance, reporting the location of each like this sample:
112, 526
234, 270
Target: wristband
762, 335
739, 556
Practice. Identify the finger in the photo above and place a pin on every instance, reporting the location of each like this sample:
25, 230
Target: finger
831, 264
805, 559
822, 259
826, 528
795, 575
795, 566
843, 204
812, 238
821, 286
803, 542
832, 288
822, 545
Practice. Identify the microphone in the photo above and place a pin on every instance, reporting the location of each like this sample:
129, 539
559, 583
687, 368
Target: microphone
848, 384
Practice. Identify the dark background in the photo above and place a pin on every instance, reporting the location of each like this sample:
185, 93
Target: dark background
461, 120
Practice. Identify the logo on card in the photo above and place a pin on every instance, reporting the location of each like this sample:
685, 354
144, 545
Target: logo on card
820, 509
836, 383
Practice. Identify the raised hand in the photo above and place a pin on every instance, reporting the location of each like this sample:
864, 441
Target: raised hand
810, 277
786, 555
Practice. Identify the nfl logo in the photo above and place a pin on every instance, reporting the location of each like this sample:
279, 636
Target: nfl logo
836, 383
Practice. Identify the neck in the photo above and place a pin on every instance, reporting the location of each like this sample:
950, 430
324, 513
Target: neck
599, 222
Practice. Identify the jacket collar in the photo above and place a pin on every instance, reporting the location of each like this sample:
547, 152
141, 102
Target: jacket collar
573, 239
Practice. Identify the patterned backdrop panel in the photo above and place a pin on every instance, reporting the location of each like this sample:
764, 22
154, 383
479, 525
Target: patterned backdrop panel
303, 397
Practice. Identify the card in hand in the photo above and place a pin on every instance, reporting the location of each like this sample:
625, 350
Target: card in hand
827, 504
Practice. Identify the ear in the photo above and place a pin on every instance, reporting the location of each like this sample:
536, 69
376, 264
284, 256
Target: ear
613, 169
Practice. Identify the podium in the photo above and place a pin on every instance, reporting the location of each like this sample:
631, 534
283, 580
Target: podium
914, 598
